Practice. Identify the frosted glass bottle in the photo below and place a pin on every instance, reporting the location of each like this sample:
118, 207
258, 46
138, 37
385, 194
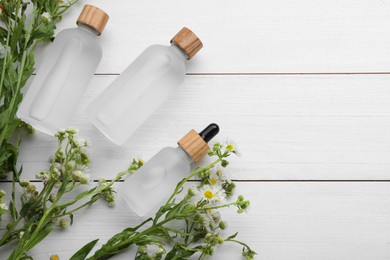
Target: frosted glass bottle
65, 73
142, 87
156, 180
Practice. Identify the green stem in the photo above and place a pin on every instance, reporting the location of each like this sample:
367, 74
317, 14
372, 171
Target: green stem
5, 60
182, 182
97, 191
180, 232
192, 174
90, 202
222, 206
238, 242
21, 68
128, 242
4, 240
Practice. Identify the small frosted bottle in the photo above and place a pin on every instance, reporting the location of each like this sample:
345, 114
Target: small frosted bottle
65, 73
143, 87
156, 180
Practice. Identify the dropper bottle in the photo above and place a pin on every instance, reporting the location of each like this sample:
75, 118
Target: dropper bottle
156, 180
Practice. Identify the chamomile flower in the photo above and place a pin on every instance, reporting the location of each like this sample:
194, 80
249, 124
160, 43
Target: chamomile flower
24, 182
43, 176
209, 219
214, 179
217, 177
80, 142
84, 179
231, 146
46, 17
77, 175
212, 194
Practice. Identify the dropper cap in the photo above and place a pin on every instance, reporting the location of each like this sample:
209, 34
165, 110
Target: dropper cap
93, 17
195, 144
188, 42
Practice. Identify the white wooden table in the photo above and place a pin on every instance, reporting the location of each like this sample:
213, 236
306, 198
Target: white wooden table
302, 86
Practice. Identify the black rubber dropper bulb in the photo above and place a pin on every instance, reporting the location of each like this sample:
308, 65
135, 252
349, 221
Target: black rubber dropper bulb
209, 132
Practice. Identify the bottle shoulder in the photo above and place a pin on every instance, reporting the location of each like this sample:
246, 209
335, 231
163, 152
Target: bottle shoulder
158, 49
176, 152
87, 38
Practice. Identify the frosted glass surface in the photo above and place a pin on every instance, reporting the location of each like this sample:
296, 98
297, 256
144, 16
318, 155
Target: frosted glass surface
141, 88
154, 182
61, 80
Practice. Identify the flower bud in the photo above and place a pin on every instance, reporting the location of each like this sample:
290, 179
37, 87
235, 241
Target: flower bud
224, 163
84, 179
160, 252
31, 188
223, 225
142, 250
109, 197
24, 183
53, 197
63, 223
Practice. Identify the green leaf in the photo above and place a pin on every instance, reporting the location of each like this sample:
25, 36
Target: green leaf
12, 127
12, 209
84, 251
105, 251
232, 236
71, 219
4, 116
28, 70
44, 33
171, 253
3, 36
42, 234
26, 258
18, 37
8, 157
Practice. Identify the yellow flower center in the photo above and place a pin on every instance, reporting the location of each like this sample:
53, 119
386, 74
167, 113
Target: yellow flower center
208, 194
213, 181
230, 147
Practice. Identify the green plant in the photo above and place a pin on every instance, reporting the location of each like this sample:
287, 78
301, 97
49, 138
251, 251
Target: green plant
20, 35
197, 210
41, 211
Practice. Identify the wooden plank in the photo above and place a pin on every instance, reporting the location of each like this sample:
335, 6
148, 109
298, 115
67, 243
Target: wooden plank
273, 36
292, 221
287, 127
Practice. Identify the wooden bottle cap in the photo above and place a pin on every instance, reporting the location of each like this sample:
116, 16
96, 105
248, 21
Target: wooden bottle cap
94, 18
186, 40
194, 145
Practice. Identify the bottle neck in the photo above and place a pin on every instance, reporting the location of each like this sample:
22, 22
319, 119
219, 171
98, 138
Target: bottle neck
184, 154
179, 51
88, 29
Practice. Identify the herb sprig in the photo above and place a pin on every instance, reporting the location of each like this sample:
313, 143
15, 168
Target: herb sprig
158, 238
41, 211
20, 34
